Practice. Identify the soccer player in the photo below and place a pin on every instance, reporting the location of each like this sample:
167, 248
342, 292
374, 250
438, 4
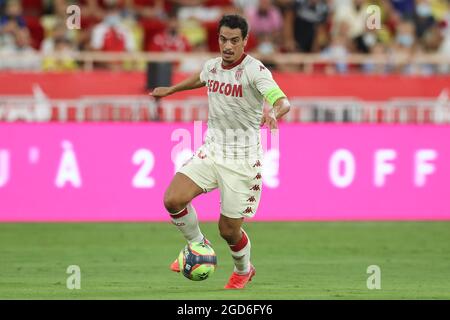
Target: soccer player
231, 157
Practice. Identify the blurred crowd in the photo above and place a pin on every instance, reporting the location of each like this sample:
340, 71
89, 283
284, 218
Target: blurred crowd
331, 28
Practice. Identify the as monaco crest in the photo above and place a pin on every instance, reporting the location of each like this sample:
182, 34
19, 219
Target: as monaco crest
238, 74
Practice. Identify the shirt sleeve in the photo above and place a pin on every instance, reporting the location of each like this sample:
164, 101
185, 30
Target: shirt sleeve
264, 83
204, 73
97, 38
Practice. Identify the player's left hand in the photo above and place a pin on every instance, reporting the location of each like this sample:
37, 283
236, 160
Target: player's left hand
270, 121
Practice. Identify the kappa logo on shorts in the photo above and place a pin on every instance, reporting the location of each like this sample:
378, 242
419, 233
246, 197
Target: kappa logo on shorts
251, 199
255, 188
248, 210
201, 155
257, 164
258, 176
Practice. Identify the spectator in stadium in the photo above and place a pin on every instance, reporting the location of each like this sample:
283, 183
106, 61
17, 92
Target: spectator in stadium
8, 33
149, 9
405, 8
404, 47
112, 35
301, 23
266, 22
440, 9
378, 51
432, 39
151, 16
23, 55
170, 39
423, 17
351, 13
337, 50
444, 48
193, 15
353, 17
93, 10
12, 25
56, 17
63, 62
13, 14
55, 28
405, 37
244, 5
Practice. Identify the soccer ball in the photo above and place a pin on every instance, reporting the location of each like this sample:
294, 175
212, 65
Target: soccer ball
197, 261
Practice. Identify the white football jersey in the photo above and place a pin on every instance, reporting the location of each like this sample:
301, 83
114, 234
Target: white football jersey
235, 97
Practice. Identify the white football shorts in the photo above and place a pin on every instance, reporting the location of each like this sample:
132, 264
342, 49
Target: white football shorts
239, 182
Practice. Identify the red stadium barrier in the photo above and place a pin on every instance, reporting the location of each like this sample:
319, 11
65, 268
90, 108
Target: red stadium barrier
376, 88
319, 98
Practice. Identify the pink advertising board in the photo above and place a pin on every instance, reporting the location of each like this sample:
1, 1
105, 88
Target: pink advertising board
118, 172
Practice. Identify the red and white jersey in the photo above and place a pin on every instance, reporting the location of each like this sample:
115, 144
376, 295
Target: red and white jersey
236, 96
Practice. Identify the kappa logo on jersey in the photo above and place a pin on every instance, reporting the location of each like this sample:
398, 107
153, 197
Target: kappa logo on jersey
227, 89
213, 70
261, 68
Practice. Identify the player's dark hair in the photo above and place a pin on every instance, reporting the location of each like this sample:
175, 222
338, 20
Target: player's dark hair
234, 21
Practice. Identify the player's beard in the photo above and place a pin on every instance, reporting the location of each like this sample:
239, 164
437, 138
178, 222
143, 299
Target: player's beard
229, 59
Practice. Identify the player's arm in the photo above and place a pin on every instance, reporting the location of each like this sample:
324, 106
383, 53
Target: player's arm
280, 107
193, 82
269, 89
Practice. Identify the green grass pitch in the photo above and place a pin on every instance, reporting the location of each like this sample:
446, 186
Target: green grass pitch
293, 260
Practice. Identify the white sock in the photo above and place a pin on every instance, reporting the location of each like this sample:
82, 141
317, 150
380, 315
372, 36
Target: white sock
186, 221
241, 254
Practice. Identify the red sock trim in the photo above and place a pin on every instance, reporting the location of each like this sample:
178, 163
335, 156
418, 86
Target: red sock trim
241, 244
179, 215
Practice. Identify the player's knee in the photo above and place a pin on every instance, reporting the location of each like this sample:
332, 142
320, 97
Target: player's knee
173, 203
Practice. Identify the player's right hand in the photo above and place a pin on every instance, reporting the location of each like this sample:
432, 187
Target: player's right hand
161, 92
